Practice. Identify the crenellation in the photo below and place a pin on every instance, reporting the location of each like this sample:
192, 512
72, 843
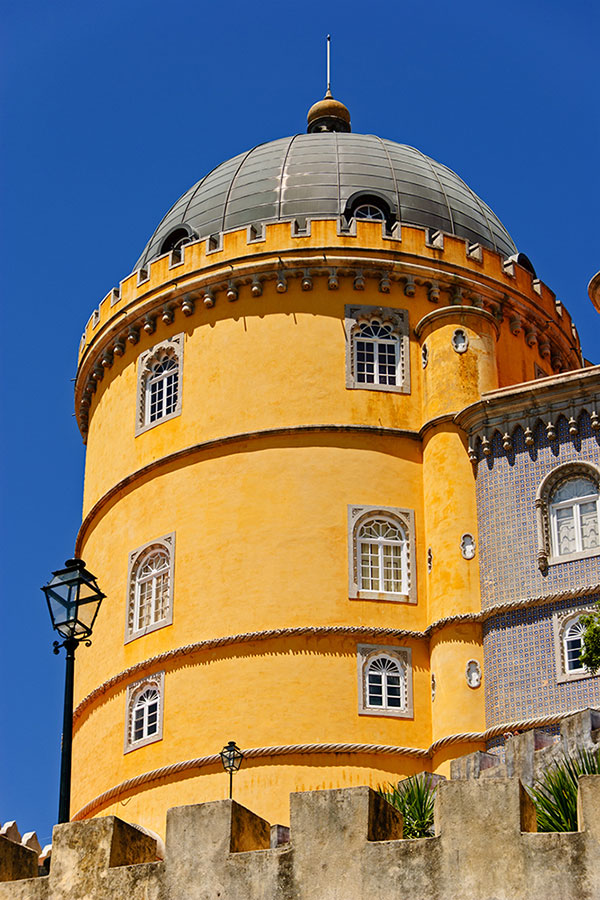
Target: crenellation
343, 844
449, 249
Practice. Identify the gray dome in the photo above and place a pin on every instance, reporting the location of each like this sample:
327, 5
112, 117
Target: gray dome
312, 175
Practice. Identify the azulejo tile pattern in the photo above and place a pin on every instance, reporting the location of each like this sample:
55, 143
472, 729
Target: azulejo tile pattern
518, 646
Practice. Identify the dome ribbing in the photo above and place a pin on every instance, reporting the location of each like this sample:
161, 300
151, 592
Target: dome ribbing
318, 175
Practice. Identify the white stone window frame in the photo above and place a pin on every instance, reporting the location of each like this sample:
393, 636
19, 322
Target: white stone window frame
552, 481
357, 516
368, 653
397, 320
561, 622
172, 347
134, 691
166, 542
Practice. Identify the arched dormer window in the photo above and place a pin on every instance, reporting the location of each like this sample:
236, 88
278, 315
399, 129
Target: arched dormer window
377, 353
150, 591
568, 514
144, 715
159, 384
176, 239
369, 208
385, 680
381, 547
369, 212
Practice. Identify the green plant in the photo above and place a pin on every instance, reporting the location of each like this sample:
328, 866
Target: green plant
413, 797
590, 654
555, 794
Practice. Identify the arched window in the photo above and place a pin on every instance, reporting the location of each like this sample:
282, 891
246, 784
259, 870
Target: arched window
144, 719
568, 514
369, 212
384, 680
162, 388
386, 688
150, 604
381, 541
376, 353
377, 349
176, 239
369, 208
573, 645
574, 516
382, 556
144, 712
159, 384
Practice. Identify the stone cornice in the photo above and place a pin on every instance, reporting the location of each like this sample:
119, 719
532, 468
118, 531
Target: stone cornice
543, 400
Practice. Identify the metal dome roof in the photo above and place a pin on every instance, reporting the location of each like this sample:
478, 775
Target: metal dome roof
315, 175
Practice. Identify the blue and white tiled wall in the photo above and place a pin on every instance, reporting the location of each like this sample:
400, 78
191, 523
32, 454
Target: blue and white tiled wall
520, 671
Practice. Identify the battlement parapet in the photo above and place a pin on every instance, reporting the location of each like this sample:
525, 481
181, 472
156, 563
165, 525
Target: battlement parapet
345, 845
528, 755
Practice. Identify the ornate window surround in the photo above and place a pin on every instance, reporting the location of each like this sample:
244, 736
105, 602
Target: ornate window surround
167, 542
366, 654
134, 690
397, 320
173, 348
357, 515
563, 472
561, 621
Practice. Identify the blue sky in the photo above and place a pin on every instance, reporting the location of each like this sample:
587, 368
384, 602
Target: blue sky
111, 111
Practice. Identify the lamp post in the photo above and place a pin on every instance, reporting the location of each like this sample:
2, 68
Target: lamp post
74, 599
231, 757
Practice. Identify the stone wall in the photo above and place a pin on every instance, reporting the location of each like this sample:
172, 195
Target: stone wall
342, 844
345, 845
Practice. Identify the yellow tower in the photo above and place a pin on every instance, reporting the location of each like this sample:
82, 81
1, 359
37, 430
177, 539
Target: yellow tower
279, 503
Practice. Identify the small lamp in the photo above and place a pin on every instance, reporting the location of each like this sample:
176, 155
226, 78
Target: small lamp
231, 757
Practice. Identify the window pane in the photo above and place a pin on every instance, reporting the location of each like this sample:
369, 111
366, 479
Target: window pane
573, 488
589, 525
565, 529
574, 647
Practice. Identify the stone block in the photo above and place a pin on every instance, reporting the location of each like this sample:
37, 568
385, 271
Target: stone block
202, 844
472, 764
30, 839
280, 834
9, 830
16, 861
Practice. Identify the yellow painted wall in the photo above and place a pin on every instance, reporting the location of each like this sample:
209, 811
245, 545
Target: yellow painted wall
261, 526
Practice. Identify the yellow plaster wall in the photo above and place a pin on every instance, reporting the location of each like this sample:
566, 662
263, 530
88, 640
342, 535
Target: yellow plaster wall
261, 529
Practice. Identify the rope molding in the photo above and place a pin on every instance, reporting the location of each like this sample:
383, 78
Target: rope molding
290, 749
321, 630
233, 439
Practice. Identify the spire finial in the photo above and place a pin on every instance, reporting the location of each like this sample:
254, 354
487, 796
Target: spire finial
328, 114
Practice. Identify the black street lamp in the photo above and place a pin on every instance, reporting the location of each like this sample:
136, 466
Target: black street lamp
231, 757
74, 599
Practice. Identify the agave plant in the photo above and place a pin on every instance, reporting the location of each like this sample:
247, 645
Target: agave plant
414, 797
555, 794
